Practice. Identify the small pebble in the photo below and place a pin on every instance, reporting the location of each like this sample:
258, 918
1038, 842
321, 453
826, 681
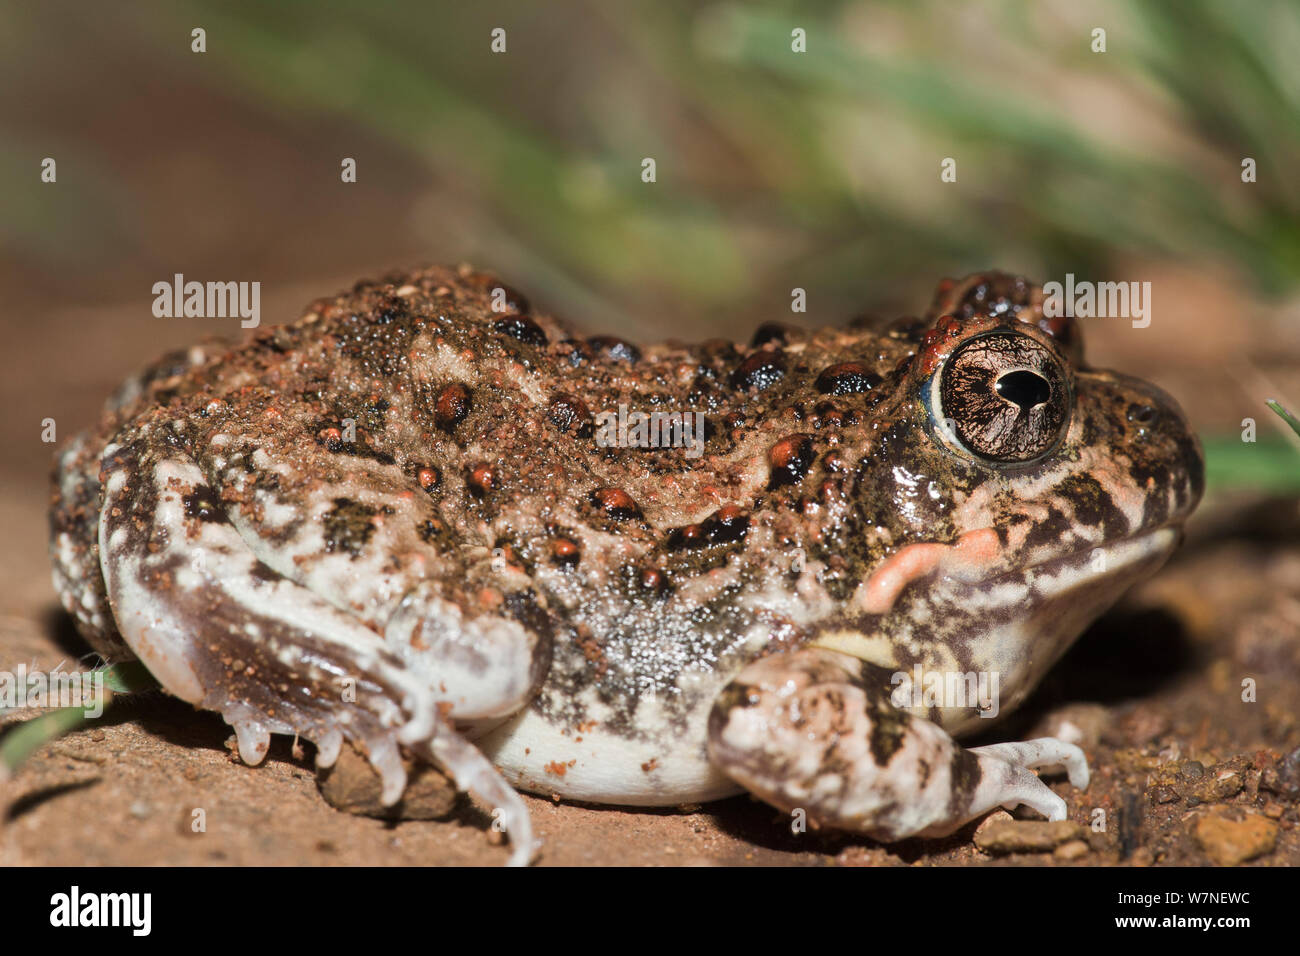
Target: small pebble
1027, 836
1074, 850
1229, 842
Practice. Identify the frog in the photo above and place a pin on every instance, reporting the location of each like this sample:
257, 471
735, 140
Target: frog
402, 523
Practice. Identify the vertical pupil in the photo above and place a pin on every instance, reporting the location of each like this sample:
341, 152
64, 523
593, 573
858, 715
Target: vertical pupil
1026, 389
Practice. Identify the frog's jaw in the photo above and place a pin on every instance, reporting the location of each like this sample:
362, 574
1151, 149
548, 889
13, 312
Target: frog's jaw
1060, 599
1002, 631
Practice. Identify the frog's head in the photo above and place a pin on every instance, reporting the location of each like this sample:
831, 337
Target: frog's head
1019, 491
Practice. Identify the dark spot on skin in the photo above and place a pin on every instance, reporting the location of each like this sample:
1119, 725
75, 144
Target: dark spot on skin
888, 727
922, 773
690, 536
964, 778
522, 606
482, 479
263, 573
1093, 505
613, 349
732, 696
331, 439
1050, 531
570, 415
995, 294
616, 504
522, 328
729, 523
789, 460
348, 526
847, 378
761, 370
724, 526
202, 505
452, 406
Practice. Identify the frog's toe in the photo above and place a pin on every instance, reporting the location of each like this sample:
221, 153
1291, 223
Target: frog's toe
1011, 786
474, 773
254, 741
1043, 752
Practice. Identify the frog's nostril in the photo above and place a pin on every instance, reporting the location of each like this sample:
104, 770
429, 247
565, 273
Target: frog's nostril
1025, 388
1143, 414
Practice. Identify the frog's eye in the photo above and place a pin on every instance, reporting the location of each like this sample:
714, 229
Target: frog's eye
1007, 397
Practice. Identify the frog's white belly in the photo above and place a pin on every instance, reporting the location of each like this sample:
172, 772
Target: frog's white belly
603, 767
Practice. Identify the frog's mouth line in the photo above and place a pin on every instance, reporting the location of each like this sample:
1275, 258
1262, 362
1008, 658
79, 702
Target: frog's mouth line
1104, 560
963, 564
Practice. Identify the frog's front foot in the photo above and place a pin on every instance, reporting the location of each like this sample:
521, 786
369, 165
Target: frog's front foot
222, 630
1021, 786
814, 729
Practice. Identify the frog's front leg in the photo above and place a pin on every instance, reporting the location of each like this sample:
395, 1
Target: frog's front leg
222, 630
815, 729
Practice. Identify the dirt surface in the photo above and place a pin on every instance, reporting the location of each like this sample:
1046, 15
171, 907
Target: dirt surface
1184, 770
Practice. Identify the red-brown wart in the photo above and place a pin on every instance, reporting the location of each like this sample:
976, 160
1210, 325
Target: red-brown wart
653, 579
570, 415
761, 370
429, 477
565, 552
828, 416
831, 488
482, 478
452, 406
616, 503
935, 344
789, 459
690, 536
728, 523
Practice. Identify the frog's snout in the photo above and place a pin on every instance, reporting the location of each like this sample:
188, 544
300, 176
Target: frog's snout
1165, 454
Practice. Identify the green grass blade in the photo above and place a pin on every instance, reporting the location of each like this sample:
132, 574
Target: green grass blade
31, 735
1286, 415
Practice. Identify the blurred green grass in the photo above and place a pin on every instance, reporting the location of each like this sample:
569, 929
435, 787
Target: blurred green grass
778, 168
1058, 188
